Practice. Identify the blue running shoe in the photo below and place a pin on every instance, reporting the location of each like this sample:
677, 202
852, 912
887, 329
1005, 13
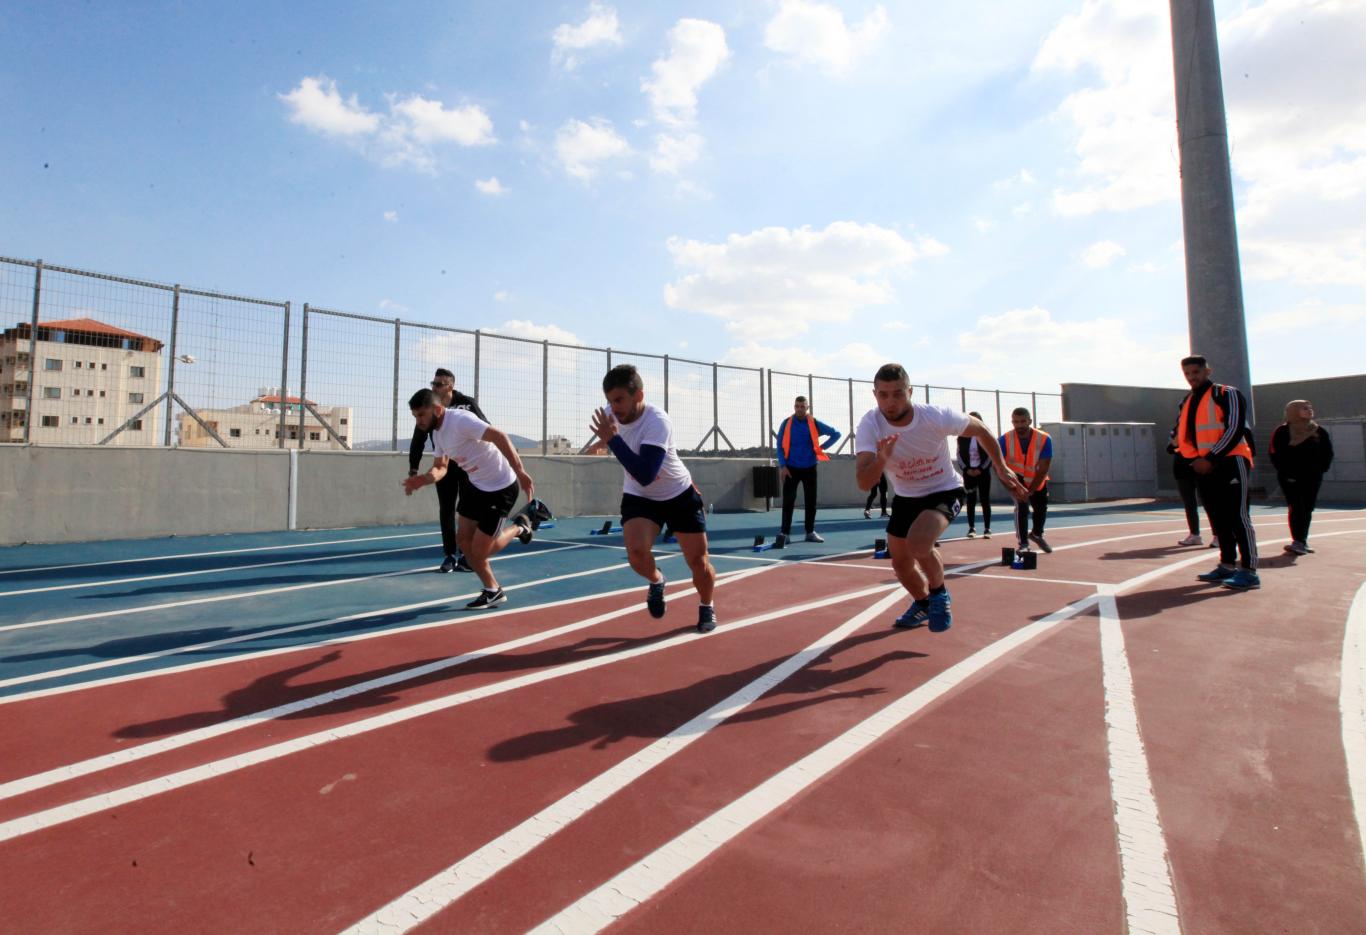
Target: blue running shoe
706, 619
917, 615
1244, 579
654, 599
1219, 575
941, 612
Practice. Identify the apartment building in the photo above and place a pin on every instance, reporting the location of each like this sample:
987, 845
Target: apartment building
88, 378
257, 424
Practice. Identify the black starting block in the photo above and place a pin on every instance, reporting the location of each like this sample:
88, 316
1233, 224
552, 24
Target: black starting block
606, 530
880, 548
1020, 559
760, 545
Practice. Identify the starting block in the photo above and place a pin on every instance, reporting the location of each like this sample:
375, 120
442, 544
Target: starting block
880, 548
1020, 560
606, 530
550, 525
760, 546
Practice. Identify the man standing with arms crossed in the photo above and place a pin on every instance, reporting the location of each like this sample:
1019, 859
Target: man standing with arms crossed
1214, 436
493, 472
910, 442
448, 488
658, 490
799, 450
1029, 452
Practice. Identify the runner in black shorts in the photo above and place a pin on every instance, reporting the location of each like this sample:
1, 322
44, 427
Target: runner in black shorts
657, 491
909, 442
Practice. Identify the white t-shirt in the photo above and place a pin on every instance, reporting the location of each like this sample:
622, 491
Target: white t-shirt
460, 438
922, 462
654, 427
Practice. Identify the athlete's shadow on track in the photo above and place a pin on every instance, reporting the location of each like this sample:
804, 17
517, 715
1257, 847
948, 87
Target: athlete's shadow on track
1156, 602
278, 688
1161, 551
656, 715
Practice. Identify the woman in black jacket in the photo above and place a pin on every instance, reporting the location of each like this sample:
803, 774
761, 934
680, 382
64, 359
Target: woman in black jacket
1301, 452
976, 468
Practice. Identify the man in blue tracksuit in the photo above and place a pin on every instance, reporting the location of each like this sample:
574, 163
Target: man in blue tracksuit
799, 449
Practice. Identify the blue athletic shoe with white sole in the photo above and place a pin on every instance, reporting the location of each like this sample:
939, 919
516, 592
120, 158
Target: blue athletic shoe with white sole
1244, 579
1218, 576
917, 615
941, 612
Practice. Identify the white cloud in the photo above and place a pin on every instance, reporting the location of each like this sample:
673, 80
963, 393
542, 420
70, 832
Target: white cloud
406, 136
599, 28
697, 49
856, 358
490, 186
582, 147
675, 150
518, 328
1023, 177
983, 225
1027, 348
501, 296
317, 105
389, 305
816, 34
391, 216
1306, 317
1102, 253
780, 279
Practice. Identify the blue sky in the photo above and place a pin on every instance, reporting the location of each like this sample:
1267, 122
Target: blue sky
986, 192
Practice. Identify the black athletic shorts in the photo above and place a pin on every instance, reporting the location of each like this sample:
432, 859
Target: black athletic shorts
488, 508
684, 513
906, 509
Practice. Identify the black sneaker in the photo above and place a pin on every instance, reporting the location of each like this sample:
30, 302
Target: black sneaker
462, 564
1038, 539
487, 599
448, 565
706, 619
654, 599
524, 522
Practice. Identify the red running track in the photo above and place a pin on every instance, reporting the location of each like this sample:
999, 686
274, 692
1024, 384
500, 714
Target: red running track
988, 808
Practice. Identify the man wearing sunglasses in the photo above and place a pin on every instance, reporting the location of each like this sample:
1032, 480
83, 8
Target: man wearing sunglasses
448, 488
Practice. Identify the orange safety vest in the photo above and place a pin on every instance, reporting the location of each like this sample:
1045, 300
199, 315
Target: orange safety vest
815, 439
1209, 428
1023, 461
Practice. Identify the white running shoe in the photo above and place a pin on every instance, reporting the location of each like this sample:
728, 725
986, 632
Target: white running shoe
1192, 540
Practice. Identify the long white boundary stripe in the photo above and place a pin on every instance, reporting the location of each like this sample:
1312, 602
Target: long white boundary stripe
262, 592
51, 817
430, 897
639, 882
1145, 874
1352, 701
173, 557
293, 628
212, 571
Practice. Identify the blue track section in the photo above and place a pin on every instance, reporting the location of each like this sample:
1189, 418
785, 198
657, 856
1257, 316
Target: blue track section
103, 604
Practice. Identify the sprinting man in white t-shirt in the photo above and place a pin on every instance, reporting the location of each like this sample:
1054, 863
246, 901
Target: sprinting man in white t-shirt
493, 472
910, 443
657, 491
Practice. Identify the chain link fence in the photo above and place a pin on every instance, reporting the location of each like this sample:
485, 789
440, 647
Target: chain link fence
122, 361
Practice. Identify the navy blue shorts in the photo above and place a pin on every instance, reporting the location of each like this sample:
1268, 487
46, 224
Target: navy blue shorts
684, 513
906, 509
488, 508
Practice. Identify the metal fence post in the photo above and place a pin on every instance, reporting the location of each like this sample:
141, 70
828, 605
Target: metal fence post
810, 394
666, 382
170, 369
1034, 407
762, 398
33, 349
715, 411
927, 394
609, 358
963, 398
768, 426
852, 427
545, 398
284, 387
303, 373
476, 363
393, 440
998, 412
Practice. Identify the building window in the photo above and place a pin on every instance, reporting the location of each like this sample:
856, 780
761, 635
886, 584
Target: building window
52, 392
135, 397
78, 365
74, 420
75, 392
100, 422
234, 433
137, 425
137, 371
91, 365
314, 436
49, 422
342, 437
343, 421
50, 364
87, 420
104, 366
101, 394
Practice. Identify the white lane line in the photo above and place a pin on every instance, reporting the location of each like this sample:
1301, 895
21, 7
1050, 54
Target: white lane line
643, 880
189, 738
293, 628
1145, 870
430, 897
1006, 576
173, 557
226, 569
1352, 701
114, 798
243, 595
